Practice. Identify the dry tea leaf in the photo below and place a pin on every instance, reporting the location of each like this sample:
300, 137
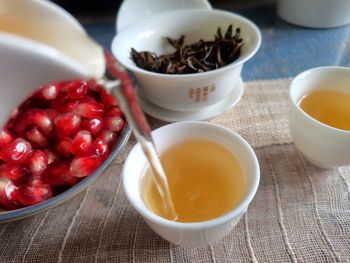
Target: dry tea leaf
197, 57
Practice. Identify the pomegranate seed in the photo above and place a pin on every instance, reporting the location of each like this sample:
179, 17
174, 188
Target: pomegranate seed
92, 125
93, 86
37, 162
52, 113
81, 143
50, 91
5, 138
114, 123
90, 98
114, 111
41, 119
36, 137
11, 171
89, 110
100, 148
51, 156
7, 196
107, 99
20, 125
33, 192
67, 124
58, 174
76, 89
83, 166
108, 136
16, 152
63, 146
57, 104
69, 105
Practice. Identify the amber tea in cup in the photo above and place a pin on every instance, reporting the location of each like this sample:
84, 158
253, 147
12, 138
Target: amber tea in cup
331, 107
205, 180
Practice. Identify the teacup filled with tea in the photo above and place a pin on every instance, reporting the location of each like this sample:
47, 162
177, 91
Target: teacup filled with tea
320, 115
212, 174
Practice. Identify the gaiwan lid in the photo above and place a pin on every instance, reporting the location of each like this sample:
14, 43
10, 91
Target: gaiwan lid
132, 11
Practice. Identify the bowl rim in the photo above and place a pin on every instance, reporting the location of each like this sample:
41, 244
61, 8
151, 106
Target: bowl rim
233, 213
24, 212
135, 69
296, 106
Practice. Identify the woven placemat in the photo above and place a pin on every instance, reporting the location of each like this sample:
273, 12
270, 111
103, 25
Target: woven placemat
300, 213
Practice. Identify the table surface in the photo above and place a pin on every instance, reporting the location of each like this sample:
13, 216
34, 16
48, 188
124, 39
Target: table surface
300, 213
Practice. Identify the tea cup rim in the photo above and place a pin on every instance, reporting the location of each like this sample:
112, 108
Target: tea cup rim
301, 111
237, 210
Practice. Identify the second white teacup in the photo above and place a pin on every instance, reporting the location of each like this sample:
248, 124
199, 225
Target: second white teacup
321, 144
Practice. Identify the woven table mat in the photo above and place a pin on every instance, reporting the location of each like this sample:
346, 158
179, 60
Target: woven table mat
300, 213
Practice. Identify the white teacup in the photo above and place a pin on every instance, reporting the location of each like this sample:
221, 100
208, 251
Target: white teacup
321, 144
200, 233
315, 13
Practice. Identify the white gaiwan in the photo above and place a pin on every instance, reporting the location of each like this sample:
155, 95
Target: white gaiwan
185, 92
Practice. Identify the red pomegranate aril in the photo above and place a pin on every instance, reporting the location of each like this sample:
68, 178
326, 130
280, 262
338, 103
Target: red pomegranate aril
108, 136
58, 174
114, 111
107, 99
37, 162
63, 146
36, 137
33, 192
100, 148
5, 138
69, 105
51, 156
57, 104
76, 89
41, 119
114, 123
50, 91
90, 98
19, 126
93, 86
7, 196
81, 143
89, 110
67, 124
52, 113
16, 152
94, 125
11, 171
83, 166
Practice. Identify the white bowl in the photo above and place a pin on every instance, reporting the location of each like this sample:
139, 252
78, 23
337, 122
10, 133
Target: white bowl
200, 233
315, 13
179, 92
321, 144
35, 63
25, 65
